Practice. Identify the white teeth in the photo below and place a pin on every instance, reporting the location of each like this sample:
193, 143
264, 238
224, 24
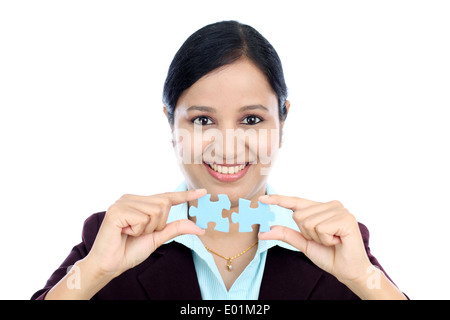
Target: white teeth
226, 170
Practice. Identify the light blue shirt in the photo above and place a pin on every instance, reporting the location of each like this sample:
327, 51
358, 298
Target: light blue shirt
247, 285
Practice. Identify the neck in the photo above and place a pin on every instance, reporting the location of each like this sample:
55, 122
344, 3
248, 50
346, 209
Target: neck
231, 239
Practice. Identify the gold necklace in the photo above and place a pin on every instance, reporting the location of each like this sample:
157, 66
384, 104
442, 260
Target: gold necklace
230, 259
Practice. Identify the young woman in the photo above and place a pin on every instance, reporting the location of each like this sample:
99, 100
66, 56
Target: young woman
225, 101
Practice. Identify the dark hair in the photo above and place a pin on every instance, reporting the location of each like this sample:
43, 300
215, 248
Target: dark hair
214, 46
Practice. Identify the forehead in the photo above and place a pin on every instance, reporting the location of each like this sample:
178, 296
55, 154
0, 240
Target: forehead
230, 87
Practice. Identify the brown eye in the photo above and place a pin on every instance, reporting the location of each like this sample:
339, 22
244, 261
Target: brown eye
202, 121
251, 120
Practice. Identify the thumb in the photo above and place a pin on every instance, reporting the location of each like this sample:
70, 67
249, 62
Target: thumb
288, 235
174, 229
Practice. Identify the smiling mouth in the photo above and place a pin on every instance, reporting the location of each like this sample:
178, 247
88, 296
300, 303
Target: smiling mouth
226, 172
227, 169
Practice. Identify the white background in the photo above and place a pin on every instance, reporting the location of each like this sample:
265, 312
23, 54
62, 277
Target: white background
81, 120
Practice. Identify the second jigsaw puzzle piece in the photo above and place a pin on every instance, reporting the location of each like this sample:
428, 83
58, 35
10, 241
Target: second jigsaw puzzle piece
249, 216
208, 211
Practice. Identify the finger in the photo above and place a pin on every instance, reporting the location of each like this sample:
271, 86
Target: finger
287, 202
305, 232
300, 215
175, 229
132, 222
158, 206
170, 199
308, 223
288, 235
161, 222
175, 198
158, 213
329, 240
152, 225
144, 206
179, 197
336, 228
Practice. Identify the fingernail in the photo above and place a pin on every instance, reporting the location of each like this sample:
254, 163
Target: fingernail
200, 190
261, 235
264, 198
201, 231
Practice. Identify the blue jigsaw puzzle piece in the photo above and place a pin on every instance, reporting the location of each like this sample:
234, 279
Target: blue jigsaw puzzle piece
249, 216
208, 211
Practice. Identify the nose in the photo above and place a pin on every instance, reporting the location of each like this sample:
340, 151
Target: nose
234, 146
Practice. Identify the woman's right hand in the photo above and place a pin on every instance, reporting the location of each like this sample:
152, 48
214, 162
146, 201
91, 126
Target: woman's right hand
135, 226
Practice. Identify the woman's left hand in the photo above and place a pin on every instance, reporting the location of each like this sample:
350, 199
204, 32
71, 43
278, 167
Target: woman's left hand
329, 237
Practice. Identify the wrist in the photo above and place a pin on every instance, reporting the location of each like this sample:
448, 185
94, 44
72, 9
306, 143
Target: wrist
366, 278
94, 271
85, 279
82, 281
374, 285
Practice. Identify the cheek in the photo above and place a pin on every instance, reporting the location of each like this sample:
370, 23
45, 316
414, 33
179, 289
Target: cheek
268, 144
190, 145
194, 147
184, 146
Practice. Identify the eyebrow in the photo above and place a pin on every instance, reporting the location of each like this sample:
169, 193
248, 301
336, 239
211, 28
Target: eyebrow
253, 107
242, 109
201, 108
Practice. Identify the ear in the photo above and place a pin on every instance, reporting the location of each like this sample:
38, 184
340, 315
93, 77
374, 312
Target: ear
167, 116
288, 105
171, 126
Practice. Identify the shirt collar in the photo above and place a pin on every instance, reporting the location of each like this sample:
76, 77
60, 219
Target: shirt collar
283, 217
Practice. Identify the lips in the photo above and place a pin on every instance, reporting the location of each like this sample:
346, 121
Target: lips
227, 172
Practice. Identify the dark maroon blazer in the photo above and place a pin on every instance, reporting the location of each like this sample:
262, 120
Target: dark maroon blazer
169, 274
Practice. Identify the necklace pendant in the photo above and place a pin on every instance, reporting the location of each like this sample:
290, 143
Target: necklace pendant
229, 266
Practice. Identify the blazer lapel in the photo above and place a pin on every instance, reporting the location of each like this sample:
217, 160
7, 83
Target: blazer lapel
170, 274
288, 275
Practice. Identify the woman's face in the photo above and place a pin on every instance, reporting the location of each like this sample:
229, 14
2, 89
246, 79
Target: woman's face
226, 131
